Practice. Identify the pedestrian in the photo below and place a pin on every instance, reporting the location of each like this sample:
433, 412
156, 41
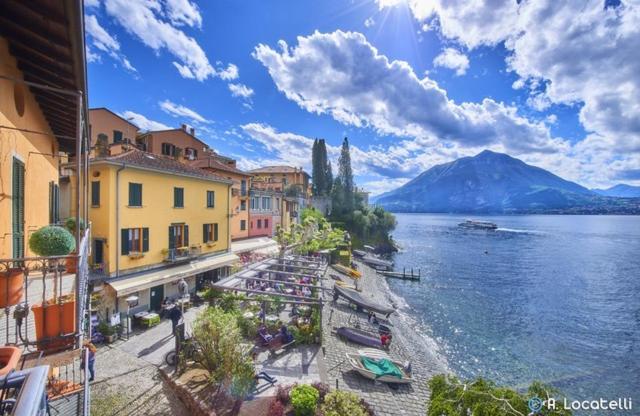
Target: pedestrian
369, 316
92, 358
175, 314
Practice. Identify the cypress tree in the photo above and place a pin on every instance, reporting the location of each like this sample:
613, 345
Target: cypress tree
345, 174
317, 170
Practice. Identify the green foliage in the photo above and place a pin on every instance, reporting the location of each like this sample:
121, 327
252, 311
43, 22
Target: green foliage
343, 199
315, 233
106, 329
52, 241
451, 397
219, 351
311, 213
228, 302
308, 333
321, 169
70, 224
248, 327
304, 400
342, 403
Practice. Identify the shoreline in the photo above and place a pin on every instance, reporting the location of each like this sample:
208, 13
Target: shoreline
408, 345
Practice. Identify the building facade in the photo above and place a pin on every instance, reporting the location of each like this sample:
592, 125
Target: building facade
181, 144
108, 129
262, 211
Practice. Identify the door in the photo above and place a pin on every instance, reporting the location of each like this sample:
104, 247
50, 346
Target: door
17, 211
157, 294
98, 251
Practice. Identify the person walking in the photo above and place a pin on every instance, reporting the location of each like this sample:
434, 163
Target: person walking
175, 314
92, 359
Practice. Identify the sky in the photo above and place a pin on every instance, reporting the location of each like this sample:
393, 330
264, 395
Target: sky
411, 83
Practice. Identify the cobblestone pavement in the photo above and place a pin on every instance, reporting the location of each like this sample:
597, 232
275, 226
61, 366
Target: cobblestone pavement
409, 399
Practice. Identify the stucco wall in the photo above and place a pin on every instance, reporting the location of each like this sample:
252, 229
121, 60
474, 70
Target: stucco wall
103, 121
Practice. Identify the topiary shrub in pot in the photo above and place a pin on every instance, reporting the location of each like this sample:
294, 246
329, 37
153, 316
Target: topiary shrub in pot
70, 224
55, 319
304, 400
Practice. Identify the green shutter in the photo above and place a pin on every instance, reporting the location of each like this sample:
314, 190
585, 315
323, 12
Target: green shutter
131, 197
56, 203
95, 193
124, 241
172, 240
18, 208
215, 232
204, 233
178, 197
186, 235
145, 240
135, 194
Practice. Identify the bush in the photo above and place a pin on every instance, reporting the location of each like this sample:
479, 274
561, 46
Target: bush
70, 224
276, 408
342, 403
322, 388
304, 400
452, 397
248, 327
284, 392
52, 241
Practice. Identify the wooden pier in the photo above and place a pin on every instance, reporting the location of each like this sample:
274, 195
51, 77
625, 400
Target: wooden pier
404, 274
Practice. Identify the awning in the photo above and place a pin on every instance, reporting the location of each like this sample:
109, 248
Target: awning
152, 278
252, 244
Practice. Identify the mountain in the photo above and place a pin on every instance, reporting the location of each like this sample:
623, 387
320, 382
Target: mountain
497, 183
620, 191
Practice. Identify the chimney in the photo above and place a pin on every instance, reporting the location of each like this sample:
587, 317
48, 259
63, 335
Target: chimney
184, 127
192, 131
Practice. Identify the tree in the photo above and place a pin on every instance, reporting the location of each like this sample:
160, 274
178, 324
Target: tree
321, 168
345, 193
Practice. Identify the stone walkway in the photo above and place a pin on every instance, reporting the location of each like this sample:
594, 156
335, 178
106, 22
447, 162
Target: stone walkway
409, 399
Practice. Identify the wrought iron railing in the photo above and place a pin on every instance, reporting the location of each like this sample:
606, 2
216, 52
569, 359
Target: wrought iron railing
182, 254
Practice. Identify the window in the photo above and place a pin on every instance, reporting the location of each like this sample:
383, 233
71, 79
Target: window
243, 205
266, 223
243, 187
210, 232
134, 240
266, 203
95, 193
211, 199
243, 225
168, 149
54, 203
255, 202
191, 153
117, 136
135, 194
259, 223
178, 236
17, 209
178, 197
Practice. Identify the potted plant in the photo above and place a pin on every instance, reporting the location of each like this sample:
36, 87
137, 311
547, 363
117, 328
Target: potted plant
70, 224
109, 332
56, 316
11, 286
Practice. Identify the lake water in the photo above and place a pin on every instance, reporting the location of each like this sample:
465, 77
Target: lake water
551, 298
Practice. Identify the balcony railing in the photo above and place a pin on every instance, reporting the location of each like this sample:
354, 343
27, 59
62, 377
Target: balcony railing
44, 303
181, 254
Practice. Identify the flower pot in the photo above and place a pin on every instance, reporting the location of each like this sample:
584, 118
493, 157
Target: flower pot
72, 264
52, 321
11, 287
111, 338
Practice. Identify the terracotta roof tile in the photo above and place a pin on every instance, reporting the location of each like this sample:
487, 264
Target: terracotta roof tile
212, 163
278, 169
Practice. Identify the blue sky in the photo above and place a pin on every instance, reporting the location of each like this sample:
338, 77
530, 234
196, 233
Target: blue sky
412, 83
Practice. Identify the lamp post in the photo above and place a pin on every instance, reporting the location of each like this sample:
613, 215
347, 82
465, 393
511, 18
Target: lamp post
131, 302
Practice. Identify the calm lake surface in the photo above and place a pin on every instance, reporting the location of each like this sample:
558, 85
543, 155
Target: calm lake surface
554, 298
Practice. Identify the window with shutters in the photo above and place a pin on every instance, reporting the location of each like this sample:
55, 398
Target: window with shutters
211, 199
178, 236
17, 214
95, 193
210, 232
54, 203
117, 136
266, 223
168, 149
243, 225
243, 205
135, 194
134, 240
259, 224
178, 197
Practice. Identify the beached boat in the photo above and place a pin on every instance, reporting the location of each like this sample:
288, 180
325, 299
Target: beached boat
369, 366
359, 336
354, 274
359, 253
345, 285
376, 261
478, 225
356, 298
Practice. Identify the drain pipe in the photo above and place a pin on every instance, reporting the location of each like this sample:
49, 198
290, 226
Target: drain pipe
118, 242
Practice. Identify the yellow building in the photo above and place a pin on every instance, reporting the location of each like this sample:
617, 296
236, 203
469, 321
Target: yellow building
226, 167
156, 221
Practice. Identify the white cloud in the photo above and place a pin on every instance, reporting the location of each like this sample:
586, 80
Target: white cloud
343, 75
91, 3
178, 110
240, 90
231, 72
183, 12
142, 122
104, 42
453, 59
143, 19
369, 22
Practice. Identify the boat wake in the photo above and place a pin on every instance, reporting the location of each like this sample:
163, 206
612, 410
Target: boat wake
514, 230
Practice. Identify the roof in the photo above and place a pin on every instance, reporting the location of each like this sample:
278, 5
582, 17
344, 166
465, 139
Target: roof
178, 129
279, 169
115, 114
149, 161
47, 39
212, 163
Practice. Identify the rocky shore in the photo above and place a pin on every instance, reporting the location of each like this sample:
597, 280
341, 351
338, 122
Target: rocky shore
408, 345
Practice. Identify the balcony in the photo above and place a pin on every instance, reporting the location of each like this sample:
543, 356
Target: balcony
182, 254
44, 305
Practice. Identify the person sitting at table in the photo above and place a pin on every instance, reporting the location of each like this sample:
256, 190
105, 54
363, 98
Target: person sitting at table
285, 336
306, 291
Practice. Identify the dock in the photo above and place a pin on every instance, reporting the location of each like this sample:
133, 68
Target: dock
404, 274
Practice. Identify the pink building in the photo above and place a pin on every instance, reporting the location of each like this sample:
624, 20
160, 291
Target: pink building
262, 209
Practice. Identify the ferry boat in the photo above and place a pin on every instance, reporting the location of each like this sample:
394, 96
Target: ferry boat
478, 225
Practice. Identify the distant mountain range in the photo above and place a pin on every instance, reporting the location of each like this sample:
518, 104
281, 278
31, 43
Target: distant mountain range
620, 191
493, 182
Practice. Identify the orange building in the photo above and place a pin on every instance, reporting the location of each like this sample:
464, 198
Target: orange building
179, 143
108, 129
226, 168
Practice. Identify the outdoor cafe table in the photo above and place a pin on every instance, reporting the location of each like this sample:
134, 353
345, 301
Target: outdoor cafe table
148, 319
271, 318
